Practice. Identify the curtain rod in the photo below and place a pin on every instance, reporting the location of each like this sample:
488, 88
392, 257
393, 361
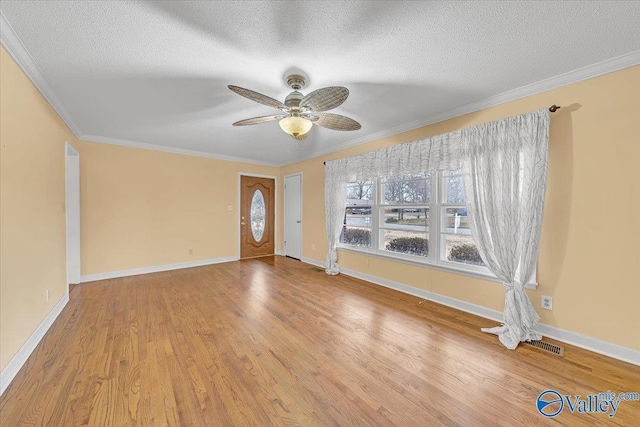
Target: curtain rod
553, 109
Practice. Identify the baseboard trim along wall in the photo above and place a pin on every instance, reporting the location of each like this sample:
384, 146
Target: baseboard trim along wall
588, 343
17, 361
155, 269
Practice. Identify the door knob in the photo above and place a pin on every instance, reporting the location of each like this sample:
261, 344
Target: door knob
298, 222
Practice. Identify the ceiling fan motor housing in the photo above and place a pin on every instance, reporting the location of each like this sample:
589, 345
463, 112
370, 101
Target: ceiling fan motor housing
293, 100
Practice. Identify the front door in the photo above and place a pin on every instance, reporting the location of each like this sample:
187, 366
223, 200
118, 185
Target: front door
257, 219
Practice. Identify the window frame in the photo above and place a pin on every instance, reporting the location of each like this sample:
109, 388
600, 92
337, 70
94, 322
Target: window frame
436, 235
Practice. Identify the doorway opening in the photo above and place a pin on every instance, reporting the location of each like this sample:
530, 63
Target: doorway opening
72, 213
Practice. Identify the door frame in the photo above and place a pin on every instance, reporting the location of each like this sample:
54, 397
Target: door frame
284, 231
70, 151
275, 215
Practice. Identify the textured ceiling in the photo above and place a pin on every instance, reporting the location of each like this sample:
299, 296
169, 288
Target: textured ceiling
156, 72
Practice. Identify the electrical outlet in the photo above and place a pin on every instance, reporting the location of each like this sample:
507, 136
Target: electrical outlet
546, 302
48, 294
313, 246
229, 208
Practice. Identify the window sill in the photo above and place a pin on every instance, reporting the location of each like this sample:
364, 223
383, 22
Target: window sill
441, 267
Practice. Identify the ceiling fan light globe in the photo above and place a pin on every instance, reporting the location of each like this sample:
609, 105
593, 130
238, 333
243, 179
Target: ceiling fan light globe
295, 126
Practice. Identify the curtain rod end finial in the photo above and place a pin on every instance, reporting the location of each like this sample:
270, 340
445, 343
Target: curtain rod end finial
554, 108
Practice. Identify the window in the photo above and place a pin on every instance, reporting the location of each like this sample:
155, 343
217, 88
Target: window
419, 217
403, 214
456, 242
357, 219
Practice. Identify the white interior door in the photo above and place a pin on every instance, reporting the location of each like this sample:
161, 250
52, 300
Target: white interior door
72, 209
293, 216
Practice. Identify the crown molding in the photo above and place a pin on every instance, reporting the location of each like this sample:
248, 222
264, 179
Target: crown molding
575, 76
174, 150
17, 50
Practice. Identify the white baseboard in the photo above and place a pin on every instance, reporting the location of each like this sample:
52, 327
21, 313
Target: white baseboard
312, 262
155, 269
588, 343
487, 313
16, 362
615, 351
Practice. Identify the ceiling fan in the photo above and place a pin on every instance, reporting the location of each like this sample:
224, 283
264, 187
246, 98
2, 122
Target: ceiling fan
301, 112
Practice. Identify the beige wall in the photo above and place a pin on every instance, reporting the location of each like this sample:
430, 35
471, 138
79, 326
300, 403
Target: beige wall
142, 208
32, 219
590, 246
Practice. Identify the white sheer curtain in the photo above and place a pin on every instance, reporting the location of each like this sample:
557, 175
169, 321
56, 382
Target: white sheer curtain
505, 173
335, 201
505, 168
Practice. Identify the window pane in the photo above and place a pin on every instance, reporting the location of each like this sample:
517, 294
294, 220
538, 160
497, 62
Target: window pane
258, 213
403, 189
358, 216
356, 236
453, 189
462, 249
405, 218
358, 212
455, 221
406, 242
359, 191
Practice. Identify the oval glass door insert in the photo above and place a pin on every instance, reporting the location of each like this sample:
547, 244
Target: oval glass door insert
258, 213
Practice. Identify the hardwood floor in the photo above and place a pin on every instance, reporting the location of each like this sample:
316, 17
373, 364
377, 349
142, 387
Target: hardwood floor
274, 341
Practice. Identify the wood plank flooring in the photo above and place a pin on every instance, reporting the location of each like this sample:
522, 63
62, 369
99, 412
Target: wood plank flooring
273, 341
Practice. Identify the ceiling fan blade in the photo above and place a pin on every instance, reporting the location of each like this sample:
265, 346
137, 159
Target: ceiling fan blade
258, 97
333, 121
258, 120
325, 99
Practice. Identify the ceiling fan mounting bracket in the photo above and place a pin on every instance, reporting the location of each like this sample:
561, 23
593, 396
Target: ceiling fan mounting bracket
296, 81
